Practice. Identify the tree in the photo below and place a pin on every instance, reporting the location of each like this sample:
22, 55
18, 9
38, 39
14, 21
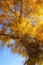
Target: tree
22, 21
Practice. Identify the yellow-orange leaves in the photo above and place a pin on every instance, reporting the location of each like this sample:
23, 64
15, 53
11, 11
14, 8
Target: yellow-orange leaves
5, 38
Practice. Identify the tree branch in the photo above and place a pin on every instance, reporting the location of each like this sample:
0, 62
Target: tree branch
13, 36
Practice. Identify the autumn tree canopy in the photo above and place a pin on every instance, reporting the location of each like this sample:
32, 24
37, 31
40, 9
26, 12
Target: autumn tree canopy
21, 21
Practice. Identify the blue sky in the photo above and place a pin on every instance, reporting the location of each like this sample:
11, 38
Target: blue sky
8, 58
1, 12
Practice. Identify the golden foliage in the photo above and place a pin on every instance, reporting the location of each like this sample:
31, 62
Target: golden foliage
22, 21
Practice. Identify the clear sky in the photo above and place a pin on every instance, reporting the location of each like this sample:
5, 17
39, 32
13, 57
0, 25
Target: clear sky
8, 58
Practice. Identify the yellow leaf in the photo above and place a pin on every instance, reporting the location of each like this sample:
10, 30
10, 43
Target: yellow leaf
24, 54
16, 50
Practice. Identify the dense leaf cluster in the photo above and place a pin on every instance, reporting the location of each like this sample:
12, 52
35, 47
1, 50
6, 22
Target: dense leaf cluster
21, 21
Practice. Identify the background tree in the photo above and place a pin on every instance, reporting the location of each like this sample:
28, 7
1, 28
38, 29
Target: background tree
21, 21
